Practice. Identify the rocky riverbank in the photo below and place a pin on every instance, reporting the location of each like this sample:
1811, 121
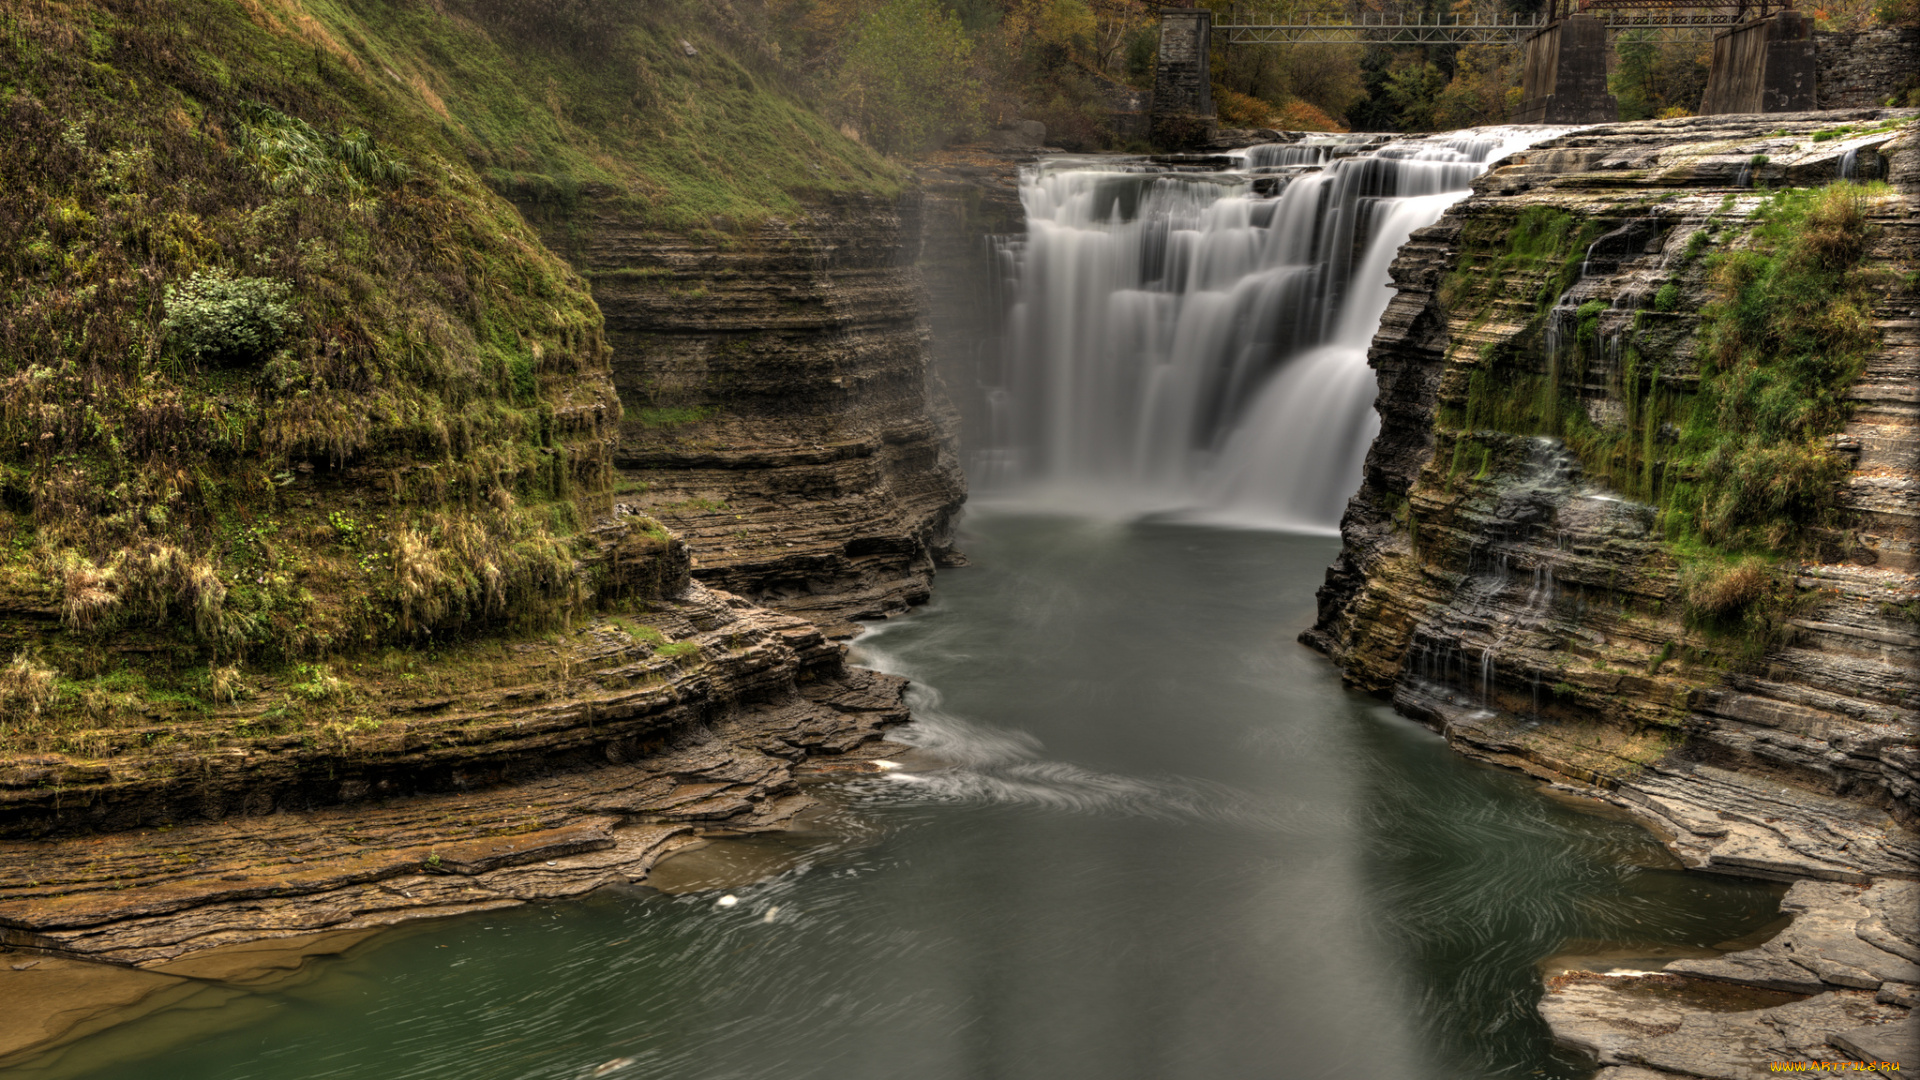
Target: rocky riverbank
1496, 586
613, 745
615, 751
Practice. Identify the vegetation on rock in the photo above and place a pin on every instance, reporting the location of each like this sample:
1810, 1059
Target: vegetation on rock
1734, 447
280, 390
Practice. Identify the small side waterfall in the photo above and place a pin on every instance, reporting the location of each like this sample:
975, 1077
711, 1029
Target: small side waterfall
1195, 342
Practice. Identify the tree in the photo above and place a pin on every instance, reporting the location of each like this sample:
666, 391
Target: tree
1413, 85
905, 82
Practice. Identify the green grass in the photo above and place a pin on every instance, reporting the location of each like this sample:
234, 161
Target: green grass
1847, 131
617, 110
388, 432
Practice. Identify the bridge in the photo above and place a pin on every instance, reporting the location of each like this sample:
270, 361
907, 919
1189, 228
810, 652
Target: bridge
1762, 54
1384, 29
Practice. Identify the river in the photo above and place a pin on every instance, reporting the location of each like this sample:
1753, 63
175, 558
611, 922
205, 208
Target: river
1144, 835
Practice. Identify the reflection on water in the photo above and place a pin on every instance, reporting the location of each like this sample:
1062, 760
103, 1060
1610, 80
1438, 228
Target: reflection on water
1144, 834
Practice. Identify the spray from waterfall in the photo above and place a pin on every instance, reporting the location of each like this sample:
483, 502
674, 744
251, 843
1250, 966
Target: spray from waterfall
1193, 343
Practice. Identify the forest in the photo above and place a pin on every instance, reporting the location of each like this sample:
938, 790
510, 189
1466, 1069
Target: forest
907, 75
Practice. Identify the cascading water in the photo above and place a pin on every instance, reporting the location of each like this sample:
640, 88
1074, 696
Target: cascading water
1196, 341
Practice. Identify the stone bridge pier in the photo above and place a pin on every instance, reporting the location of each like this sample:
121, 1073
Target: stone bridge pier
1564, 80
1182, 114
1767, 65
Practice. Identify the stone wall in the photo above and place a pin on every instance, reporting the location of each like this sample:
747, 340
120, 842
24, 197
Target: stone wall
1766, 66
1868, 68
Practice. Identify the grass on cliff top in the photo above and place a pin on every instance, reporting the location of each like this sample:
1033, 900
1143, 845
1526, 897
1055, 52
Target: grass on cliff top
1739, 461
281, 379
150, 706
669, 107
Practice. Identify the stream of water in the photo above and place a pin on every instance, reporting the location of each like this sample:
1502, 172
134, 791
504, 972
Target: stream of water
1146, 835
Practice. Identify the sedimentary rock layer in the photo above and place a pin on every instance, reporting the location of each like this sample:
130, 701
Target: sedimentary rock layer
1836, 986
1532, 590
781, 412
550, 788
1495, 589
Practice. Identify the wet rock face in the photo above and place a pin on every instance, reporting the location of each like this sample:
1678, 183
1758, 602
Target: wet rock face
781, 413
972, 220
1493, 587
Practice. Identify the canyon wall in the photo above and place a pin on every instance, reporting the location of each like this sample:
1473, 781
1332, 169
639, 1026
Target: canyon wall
1493, 585
329, 522
781, 411
1531, 568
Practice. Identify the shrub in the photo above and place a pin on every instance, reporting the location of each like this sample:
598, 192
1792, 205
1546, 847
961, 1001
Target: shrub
905, 81
1237, 110
1897, 12
26, 686
1721, 591
1836, 232
218, 319
317, 683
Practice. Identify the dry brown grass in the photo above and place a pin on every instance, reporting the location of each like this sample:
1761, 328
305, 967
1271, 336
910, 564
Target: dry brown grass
26, 688
1720, 590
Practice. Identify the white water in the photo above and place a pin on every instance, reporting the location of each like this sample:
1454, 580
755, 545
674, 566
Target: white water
1182, 343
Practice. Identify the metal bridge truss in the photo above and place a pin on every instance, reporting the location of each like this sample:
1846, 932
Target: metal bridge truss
1697, 23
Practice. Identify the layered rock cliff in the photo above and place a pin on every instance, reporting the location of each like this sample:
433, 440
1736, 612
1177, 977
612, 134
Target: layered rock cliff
781, 411
326, 554
1534, 565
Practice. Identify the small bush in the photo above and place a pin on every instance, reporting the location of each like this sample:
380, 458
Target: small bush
1836, 232
318, 683
1897, 12
26, 686
1237, 110
1720, 592
214, 318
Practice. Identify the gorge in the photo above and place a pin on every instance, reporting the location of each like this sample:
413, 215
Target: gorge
1131, 827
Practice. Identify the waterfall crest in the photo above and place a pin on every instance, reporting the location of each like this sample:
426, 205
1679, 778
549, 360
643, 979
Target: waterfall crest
1194, 342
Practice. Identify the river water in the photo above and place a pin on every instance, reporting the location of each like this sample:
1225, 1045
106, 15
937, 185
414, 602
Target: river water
1146, 835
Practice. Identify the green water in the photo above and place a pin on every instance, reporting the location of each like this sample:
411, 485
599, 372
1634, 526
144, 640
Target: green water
1148, 836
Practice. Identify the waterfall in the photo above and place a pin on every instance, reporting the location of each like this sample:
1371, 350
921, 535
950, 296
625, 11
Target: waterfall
1193, 342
